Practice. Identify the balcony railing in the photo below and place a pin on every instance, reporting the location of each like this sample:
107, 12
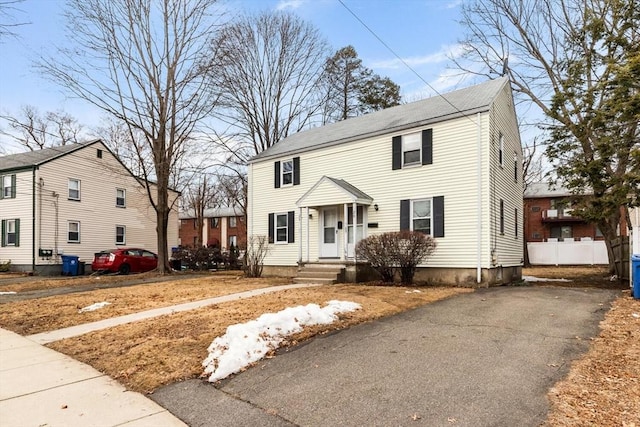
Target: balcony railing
559, 215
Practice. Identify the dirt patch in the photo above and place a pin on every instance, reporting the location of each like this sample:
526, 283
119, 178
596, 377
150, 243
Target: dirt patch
603, 387
578, 276
148, 354
48, 314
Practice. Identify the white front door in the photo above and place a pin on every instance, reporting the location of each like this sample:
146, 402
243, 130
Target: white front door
329, 233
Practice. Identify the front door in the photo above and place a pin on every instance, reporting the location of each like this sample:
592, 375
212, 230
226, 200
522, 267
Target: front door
329, 233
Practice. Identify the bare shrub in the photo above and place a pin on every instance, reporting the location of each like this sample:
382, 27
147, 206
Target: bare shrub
393, 252
257, 249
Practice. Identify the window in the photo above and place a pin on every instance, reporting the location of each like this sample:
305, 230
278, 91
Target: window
233, 241
562, 232
10, 232
73, 232
74, 189
213, 222
411, 149
516, 223
421, 216
515, 167
121, 197
501, 149
501, 216
99, 153
233, 222
287, 172
8, 187
535, 208
121, 232
281, 227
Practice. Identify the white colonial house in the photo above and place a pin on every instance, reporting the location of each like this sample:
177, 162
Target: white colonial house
75, 199
448, 166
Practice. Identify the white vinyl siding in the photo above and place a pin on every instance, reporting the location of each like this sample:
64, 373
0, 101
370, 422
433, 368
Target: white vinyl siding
19, 208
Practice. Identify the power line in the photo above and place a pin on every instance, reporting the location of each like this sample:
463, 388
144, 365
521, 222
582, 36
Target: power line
403, 61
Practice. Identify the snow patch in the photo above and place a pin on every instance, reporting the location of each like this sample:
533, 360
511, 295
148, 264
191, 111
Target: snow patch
542, 279
249, 342
7, 293
415, 291
93, 307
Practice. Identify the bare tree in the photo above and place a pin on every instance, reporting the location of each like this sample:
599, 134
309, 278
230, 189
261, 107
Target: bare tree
266, 69
574, 60
8, 22
139, 61
36, 131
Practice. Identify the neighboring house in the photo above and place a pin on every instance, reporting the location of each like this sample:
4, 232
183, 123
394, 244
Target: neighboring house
448, 166
75, 199
557, 236
222, 228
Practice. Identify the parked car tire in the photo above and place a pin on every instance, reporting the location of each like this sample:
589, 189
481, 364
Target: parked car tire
124, 269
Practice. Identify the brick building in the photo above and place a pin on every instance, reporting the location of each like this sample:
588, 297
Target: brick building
222, 227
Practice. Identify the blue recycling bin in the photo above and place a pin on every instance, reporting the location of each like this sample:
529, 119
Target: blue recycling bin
635, 276
70, 265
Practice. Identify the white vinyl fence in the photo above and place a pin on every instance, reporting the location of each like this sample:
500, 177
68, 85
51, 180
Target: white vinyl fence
583, 252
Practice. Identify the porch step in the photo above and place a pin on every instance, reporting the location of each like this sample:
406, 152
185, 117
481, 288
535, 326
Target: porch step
325, 273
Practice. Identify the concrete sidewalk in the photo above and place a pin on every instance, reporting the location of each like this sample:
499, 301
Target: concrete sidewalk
41, 387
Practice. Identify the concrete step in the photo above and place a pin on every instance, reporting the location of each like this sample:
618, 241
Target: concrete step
329, 274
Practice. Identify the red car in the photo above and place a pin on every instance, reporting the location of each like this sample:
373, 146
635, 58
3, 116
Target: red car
125, 261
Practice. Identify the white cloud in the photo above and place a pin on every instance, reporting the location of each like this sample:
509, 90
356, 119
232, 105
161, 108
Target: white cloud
453, 4
442, 55
289, 4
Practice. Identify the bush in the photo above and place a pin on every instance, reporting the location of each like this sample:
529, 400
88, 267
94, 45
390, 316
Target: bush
257, 249
396, 252
5, 266
199, 259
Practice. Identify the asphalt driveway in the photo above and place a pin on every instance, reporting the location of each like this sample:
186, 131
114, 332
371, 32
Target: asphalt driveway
481, 359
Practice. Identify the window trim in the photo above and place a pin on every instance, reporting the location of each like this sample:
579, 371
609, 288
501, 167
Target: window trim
282, 172
418, 142
11, 186
69, 189
430, 217
501, 149
124, 198
233, 222
214, 222
275, 228
124, 234
69, 222
16, 232
515, 167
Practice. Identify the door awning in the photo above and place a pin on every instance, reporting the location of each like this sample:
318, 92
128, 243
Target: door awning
333, 191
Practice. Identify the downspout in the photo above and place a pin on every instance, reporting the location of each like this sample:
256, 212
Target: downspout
300, 239
479, 203
33, 219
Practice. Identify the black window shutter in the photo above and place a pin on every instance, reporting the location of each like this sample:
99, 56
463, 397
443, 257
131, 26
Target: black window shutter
13, 187
438, 216
271, 228
427, 146
1, 188
405, 219
4, 228
296, 171
276, 168
17, 232
291, 229
397, 152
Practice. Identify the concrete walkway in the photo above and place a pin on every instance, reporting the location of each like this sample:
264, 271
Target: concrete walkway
74, 331
41, 387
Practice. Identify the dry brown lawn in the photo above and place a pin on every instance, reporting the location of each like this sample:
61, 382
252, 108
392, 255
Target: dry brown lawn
151, 353
579, 276
48, 314
603, 387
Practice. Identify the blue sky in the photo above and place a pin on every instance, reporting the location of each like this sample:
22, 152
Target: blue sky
422, 32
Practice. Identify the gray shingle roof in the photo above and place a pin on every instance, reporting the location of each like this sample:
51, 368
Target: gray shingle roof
435, 109
213, 213
38, 157
537, 190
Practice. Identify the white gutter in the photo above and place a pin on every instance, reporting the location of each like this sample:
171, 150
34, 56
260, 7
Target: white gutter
479, 204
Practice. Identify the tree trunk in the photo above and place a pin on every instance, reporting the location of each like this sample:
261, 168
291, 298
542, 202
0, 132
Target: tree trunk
609, 233
162, 221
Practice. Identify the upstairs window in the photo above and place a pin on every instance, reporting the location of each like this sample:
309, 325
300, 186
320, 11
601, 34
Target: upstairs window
10, 232
121, 200
99, 153
287, 172
213, 222
501, 149
233, 222
8, 190
515, 167
412, 149
74, 189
